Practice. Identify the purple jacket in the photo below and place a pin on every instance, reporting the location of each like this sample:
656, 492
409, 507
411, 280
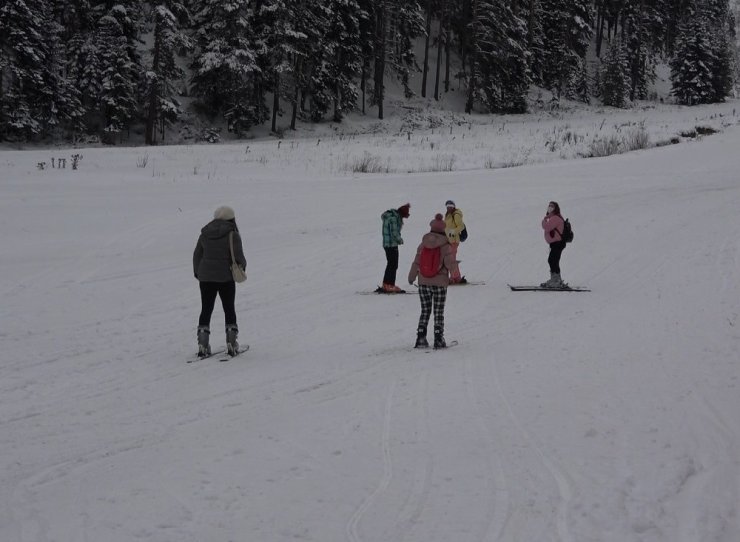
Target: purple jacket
553, 226
434, 240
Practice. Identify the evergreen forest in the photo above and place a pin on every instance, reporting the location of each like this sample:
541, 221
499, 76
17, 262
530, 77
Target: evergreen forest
76, 68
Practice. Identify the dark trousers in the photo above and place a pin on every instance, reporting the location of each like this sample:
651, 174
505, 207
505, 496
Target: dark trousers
391, 266
227, 292
432, 298
556, 249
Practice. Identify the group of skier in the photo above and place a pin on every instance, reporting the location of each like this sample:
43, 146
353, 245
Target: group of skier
444, 236
434, 268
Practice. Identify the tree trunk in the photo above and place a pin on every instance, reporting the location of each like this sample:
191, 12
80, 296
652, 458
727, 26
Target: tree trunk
473, 45
296, 88
439, 55
275, 102
447, 50
363, 83
599, 27
151, 117
380, 53
425, 71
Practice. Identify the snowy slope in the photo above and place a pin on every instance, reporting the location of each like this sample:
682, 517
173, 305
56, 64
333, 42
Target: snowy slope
609, 416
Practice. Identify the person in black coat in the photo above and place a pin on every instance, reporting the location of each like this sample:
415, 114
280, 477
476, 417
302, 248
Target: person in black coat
212, 268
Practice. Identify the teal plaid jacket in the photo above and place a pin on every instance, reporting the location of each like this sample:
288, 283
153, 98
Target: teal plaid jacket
392, 224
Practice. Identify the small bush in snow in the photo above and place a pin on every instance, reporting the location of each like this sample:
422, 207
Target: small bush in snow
637, 139
604, 146
444, 162
209, 135
142, 161
705, 130
672, 141
368, 163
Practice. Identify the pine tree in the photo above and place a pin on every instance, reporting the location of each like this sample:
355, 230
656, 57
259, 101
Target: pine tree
342, 56
34, 94
722, 38
282, 44
118, 75
394, 24
158, 90
699, 67
500, 70
227, 77
614, 79
566, 27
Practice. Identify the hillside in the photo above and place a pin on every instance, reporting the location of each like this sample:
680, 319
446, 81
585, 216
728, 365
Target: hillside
607, 416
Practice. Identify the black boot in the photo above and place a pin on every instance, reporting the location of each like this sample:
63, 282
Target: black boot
439, 340
421, 338
204, 349
232, 347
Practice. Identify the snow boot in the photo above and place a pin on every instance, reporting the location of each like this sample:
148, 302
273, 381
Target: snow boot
392, 288
554, 282
421, 338
232, 347
439, 340
204, 349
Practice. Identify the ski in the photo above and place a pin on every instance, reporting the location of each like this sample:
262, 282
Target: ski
201, 358
468, 283
430, 348
226, 356
534, 288
379, 290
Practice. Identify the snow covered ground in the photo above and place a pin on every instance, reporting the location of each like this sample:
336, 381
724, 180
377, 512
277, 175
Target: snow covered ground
609, 416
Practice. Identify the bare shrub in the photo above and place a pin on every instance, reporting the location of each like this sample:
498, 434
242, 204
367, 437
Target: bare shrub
705, 130
444, 162
637, 139
368, 163
604, 146
142, 161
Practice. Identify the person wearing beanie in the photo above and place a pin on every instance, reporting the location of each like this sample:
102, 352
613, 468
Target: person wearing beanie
212, 267
432, 266
553, 224
454, 227
392, 222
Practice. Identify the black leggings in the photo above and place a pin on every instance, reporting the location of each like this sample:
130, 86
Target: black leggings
391, 256
556, 249
227, 292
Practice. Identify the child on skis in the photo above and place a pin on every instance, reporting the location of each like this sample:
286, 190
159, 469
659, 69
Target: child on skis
454, 225
432, 267
553, 225
392, 222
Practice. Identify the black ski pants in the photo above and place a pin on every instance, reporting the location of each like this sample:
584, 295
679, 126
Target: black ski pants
208, 292
391, 266
556, 250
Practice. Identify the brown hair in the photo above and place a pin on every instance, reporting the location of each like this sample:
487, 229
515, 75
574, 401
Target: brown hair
556, 208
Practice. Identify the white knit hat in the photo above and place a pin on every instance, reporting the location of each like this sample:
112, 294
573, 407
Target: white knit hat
224, 213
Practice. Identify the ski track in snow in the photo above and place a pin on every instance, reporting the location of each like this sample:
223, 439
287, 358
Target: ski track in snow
385, 446
608, 416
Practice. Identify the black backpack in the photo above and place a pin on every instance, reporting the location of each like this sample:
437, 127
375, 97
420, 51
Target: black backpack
567, 234
464, 234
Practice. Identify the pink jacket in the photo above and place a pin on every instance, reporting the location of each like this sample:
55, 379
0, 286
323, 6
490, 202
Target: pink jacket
553, 226
433, 240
